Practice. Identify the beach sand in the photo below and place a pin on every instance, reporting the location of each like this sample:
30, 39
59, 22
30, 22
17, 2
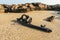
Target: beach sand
13, 31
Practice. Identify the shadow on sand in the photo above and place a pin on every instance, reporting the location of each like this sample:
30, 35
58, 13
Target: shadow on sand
33, 26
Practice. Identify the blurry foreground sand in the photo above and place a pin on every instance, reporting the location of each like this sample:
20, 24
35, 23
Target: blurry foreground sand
14, 31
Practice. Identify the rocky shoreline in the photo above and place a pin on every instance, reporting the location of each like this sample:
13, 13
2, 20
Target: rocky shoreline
27, 7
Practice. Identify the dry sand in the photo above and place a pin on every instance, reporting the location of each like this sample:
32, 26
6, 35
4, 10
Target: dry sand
13, 31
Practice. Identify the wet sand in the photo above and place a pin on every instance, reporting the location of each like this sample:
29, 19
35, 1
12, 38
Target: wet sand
13, 31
